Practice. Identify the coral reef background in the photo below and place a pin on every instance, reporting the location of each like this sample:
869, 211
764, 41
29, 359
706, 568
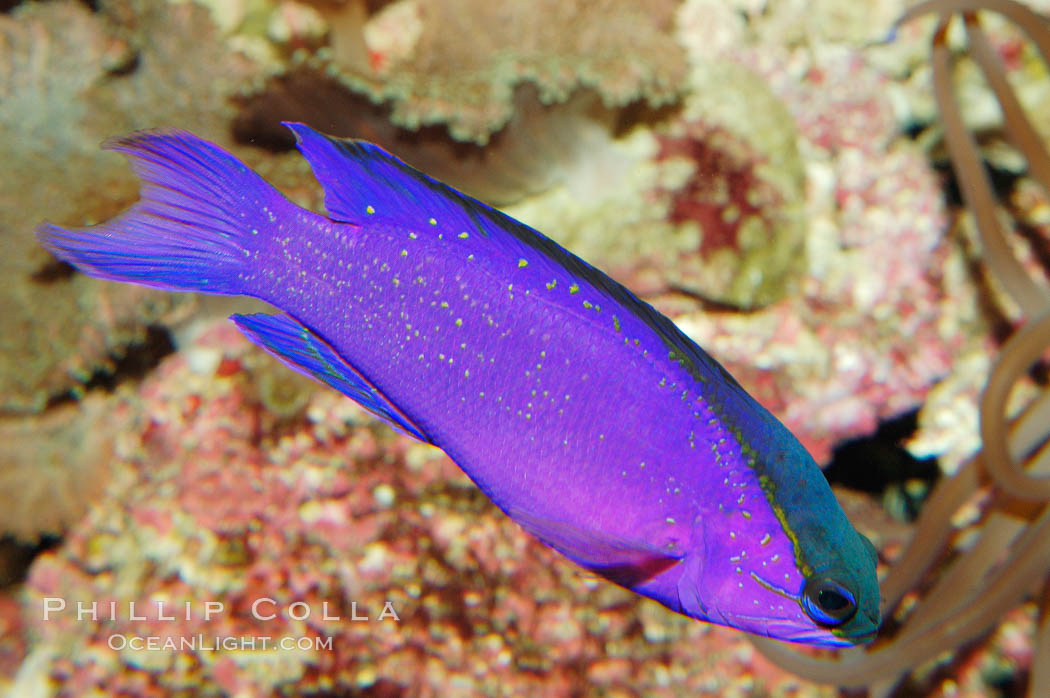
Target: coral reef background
766, 173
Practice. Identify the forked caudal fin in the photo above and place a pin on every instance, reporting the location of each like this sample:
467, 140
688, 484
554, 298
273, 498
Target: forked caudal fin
193, 226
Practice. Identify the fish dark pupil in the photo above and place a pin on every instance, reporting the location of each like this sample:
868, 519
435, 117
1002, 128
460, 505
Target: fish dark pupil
832, 601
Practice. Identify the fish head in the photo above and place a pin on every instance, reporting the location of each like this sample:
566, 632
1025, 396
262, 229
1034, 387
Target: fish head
750, 572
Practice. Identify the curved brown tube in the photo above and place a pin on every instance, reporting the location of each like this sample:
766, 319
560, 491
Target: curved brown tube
1023, 349
977, 190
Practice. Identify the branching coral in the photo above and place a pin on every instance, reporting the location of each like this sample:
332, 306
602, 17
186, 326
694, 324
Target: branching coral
999, 500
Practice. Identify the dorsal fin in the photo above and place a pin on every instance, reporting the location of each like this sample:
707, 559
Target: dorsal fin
365, 184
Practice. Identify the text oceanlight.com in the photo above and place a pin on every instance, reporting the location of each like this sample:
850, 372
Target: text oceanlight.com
214, 643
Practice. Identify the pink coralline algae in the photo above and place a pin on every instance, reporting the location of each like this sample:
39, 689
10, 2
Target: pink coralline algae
300, 529
692, 203
885, 300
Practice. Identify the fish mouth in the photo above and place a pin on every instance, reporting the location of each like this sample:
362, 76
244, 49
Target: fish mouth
862, 638
816, 636
866, 634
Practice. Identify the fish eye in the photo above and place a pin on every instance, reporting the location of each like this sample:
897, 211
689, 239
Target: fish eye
827, 602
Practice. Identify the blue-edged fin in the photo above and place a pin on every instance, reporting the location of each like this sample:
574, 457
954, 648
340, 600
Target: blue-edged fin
621, 560
200, 211
302, 350
364, 184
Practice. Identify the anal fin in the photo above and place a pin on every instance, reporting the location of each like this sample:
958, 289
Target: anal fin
303, 350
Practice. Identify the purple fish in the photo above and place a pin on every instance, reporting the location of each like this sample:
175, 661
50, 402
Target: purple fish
582, 412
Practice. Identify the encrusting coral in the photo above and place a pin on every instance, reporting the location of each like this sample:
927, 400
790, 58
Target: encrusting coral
990, 520
531, 153
884, 298
59, 328
463, 61
747, 191
54, 465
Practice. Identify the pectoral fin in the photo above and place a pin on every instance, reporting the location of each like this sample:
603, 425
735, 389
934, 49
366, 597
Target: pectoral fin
621, 560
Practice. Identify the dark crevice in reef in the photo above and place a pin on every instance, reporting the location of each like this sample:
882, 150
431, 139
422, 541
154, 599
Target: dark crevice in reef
16, 557
134, 364
1003, 182
52, 272
879, 464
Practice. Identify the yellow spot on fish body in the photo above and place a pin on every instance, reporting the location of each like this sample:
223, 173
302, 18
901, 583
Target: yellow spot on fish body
369, 210
551, 284
432, 221
459, 322
404, 253
413, 236
588, 305
522, 263
765, 540
463, 235
574, 288
616, 323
